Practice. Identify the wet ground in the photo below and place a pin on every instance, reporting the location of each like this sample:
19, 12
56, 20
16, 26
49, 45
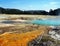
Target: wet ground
21, 26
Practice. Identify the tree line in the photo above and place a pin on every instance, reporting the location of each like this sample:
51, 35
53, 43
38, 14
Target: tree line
33, 12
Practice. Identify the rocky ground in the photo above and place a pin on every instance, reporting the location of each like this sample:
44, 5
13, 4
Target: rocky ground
40, 40
51, 39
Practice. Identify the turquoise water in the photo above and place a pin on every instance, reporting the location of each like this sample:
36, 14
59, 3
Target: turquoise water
52, 22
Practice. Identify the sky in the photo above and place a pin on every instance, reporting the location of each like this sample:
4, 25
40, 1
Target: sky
30, 4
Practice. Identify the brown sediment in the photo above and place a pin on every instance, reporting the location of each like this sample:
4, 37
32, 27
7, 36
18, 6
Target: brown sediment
19, 39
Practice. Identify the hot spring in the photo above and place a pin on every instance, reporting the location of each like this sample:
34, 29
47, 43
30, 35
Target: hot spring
51, 22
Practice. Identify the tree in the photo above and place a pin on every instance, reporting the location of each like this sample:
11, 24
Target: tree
57, 11
13, 11
2, 10
51, 12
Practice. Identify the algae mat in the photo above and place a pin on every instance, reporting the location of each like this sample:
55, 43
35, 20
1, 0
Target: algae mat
17, 39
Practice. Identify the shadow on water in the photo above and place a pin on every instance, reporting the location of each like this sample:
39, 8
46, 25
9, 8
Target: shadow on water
12, 22
8, 22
